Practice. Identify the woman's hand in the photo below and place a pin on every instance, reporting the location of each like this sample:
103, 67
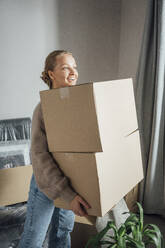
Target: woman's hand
78, 205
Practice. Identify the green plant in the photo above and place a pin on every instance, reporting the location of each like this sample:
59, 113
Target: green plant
131, 234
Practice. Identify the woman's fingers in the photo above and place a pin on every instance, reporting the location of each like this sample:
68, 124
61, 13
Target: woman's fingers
81, 212
79, 206
84, 203
79, 209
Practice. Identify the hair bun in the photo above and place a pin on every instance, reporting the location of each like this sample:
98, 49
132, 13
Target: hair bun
45, 77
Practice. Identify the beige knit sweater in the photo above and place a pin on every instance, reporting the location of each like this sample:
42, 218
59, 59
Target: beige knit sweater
50, 179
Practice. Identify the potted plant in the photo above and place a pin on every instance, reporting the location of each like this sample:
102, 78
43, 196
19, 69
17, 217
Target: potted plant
131, 234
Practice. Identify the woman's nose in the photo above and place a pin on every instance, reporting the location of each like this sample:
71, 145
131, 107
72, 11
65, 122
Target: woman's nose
72, 71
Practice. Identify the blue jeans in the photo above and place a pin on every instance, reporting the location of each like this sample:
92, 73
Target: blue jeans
40, 212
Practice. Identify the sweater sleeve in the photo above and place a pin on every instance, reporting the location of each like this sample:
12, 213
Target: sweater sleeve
50, 179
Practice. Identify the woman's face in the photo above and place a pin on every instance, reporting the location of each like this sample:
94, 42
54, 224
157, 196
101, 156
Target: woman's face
65, 72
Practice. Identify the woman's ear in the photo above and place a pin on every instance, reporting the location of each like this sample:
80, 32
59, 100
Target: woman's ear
51, 74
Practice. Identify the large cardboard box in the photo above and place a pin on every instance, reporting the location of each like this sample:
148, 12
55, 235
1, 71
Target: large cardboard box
92, 133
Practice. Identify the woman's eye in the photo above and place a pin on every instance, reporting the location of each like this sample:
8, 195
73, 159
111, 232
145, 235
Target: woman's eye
65, 67
69, 68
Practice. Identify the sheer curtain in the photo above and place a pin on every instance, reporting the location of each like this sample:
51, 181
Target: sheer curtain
150, 101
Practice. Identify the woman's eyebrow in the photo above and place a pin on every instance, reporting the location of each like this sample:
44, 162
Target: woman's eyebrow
68, 64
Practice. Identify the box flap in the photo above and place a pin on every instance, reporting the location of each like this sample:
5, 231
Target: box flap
116, 111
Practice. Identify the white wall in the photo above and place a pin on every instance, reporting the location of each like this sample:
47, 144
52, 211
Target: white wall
91, 29
27, 34
31, 29
104, 36
132, 23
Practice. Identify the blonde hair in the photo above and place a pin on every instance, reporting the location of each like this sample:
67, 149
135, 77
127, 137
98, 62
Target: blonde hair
50, 63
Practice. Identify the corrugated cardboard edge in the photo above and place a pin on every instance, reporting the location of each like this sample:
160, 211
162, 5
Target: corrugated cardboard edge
88, 220
131, 198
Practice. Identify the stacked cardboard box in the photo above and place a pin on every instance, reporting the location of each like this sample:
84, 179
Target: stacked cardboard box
92, 133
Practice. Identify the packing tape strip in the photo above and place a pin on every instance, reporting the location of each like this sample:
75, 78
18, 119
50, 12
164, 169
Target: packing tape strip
64, 93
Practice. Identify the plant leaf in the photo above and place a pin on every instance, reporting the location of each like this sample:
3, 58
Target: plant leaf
133, 229
111, 237
152, 239
132, 218
141, 216
153, 234
135, 243
95, 240
121, 242
122, 230
106, 242
156, 229
112, 246
111, 224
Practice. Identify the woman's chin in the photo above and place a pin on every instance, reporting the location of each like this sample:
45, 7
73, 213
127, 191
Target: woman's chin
71, 83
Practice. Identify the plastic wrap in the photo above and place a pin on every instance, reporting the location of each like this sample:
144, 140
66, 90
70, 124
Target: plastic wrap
11, 224
14, 151
12, 220
14, 142
15, 129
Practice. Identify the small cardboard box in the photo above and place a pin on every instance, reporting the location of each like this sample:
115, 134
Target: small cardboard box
92, 133
14, 184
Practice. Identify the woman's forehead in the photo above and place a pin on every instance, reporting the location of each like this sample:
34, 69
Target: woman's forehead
65, 59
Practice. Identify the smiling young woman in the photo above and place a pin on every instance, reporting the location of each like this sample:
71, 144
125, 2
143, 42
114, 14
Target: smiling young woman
48, 181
